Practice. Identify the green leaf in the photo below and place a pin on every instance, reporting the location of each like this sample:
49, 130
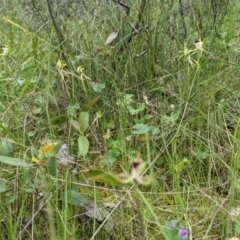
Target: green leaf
71, 110
104, 177
140, 129
116, 144
201, 153
112, 156
10, 198
170, 119
14, 161
237, 226
153, 130
98, 87
125, 101
168, 232
76, 198
83, 121
134, 111
31, 133
83, 145
59, 119
52, 166
3, 185
6, 147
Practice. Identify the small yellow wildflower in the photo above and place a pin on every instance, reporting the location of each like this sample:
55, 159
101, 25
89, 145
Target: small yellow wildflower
35, 160
61, 64
145, 97
98, 48
80, 69
107, 54
99, 114
48, 148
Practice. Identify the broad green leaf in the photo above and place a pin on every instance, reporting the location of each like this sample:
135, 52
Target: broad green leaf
30, 190
125, 101
237, 225
59, 119
201, 153
140, 128
112, 156
76, 198
14, 161
3, 185
134, 111
170, 119
83, 121
98, 87
83, 145
31, 133
153, 130
104, 177
6, 147
37, 111
57, 147
52, 166
9, 198
90, 104
168, 232
72, 109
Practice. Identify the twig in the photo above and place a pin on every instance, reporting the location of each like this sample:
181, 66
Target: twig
123, 5
60, 36
135, 28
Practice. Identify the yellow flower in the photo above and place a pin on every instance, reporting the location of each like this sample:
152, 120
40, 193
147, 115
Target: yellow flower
35, 160
99, 114
145, 97
107, 54
61, 64
233, 238
49, 147
80, 69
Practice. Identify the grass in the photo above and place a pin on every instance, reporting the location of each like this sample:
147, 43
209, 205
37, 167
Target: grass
153, 80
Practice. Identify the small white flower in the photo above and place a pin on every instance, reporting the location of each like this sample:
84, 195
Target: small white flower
199, 44
5, 50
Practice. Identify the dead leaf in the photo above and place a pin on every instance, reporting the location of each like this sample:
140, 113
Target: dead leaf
113, 35
65, 158
109, 224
